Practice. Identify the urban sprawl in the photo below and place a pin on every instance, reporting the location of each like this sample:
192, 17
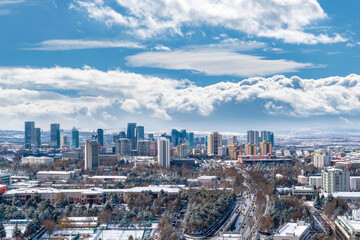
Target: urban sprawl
132, 184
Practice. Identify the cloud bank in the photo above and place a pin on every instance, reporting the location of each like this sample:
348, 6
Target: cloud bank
284, 20
67, 93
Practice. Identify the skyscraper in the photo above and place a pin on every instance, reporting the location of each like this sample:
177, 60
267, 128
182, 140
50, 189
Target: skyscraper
267, 136
253, 137
140, 133
37, 137
55, 135
91, 158
131, 134
175, 137
191, 139
74, 138
100, 136
29, 133
214, 141
164, 152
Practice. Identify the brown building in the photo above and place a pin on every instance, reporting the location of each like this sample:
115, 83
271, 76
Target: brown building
265, 148
234, 151
250, 149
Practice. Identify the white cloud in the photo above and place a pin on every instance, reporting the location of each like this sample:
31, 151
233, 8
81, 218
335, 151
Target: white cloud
161, 47
215, 61
7, 2
27, 93
75, 44
286, 20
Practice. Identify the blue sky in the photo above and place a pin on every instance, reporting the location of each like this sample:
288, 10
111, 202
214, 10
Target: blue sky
201, 65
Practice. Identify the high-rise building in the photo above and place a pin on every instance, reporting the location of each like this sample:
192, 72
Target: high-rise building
183, 150
91, 158
151, 137
335, 180
232, 140
214, 141
250, 149
265, 148
175, 137
183, 136
122, 134
123, 146
74, 138
253, 137
140, 133
164, 152
37, 137
191, 138
320, 160
55, 135
267, 136
64, 141
153, 148
143, 148
29, 133
131, 134
100, 136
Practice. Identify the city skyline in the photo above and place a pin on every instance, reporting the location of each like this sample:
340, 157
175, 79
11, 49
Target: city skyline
97, 70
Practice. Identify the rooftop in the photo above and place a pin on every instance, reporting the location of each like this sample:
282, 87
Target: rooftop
293, 229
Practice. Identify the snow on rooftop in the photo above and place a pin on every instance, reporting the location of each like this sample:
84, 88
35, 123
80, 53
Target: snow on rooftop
293, 229
55, 172
346, 194
207, 177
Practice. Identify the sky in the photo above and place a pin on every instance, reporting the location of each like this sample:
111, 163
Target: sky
201, 65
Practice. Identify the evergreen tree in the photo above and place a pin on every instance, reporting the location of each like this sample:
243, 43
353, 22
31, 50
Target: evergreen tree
16, 201
16, 232
2, 230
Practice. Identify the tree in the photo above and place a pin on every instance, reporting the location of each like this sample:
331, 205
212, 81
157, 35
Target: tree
61, 200
165, 228
317, 201
16, 201
16, 232
2, 230
31, 228
49, 226
114, 199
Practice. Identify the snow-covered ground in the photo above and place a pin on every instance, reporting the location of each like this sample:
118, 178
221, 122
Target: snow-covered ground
121, 234
10, 227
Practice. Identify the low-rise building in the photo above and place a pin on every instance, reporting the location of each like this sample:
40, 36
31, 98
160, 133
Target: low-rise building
355, 183
315, 180
109, 178
303, 191
32, 160
347, 228
350, 197
5, 178
92, 195
55, 175
293, 231
3, 188
302, 180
